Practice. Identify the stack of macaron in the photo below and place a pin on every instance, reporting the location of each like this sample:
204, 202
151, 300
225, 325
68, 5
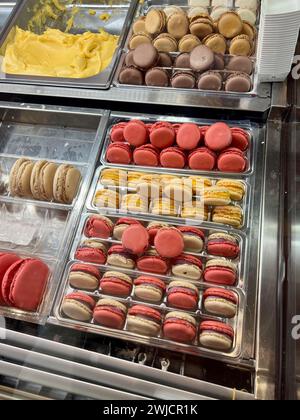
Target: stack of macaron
23, 282
202, 38
141, 319
202, 148
44, 180
174, 196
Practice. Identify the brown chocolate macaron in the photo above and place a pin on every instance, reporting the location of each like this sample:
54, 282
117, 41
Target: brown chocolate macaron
157, 77
182, 61
202, 58
165, 60
188, 43
138, 39
238, 82
210, 80
145, 56
240, 64
129, 59
219, 62
165, 43
131, 76
183, 80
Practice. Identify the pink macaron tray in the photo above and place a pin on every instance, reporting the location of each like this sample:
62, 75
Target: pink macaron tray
176, 215
170, 144
222, 71
158, 340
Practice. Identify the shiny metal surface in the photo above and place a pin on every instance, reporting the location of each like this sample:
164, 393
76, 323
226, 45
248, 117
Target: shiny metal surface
120, 11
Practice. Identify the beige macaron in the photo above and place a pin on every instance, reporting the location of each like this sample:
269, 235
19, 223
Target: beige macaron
165, 43
66, 183
155, 21
241, 45
19, 178
178, 25
188, 43
139, 39
42, 178
216, 42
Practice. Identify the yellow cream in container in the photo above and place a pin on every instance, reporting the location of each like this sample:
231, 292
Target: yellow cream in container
58, 54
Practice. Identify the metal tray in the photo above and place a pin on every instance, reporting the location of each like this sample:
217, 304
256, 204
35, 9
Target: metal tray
116, 118
121, 12
200, 314
159, 4
40, 229
97, 186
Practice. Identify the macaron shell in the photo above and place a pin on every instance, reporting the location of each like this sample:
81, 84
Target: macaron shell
136, 133
218, 137
179, 330
162, 135
6, 261
188, 136
28, 280
169, 242
135, 239
220, 275
91, 255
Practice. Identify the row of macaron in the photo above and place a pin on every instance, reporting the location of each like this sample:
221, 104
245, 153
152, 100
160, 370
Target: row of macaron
44, 180
179, 294
22, 281
186, 266
107, 199
153, 145
187, 238
146, 321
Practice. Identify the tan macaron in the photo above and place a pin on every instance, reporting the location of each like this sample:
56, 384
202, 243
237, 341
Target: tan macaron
165, 43
230, 25
42, 178
139, 25
155, 21
19, 178
188, 43
216, 42
178, 25
139, 39
66, 183
202, 27
241, 45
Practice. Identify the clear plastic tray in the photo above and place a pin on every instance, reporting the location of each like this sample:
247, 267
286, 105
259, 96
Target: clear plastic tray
120, 117
142, 11
40, 229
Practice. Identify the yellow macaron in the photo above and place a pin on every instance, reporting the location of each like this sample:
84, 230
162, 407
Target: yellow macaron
236, 189
228, 215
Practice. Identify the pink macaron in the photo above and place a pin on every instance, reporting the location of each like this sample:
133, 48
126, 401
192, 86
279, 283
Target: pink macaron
136, 133
216, 335
151, 262
202, 159
98, 226
92, 254
188, 136
240, 139
172, 157
182, 294
110, 313
162, 135
223, 245
116, 284
119, 153
135, 239
218, 137
117, 132
169, 242
232, 160
220, 271
179, 326
146, 155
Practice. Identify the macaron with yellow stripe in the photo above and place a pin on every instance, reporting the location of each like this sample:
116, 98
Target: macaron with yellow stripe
216, 196
236, 188
228, 215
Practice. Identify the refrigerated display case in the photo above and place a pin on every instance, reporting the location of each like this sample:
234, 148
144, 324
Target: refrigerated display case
62, 359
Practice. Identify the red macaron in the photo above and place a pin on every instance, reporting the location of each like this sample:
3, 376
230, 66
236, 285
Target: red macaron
183, 295
110, 313
146, 155
202, 159
169, 242
162, 135
6, 260
218, 137
188, 136
240, 138
117, 132
153, 263
24, 283
98, 227
119, 153
116, 284
136, 133
135, 239
92, 255
232, 160
219, 271
223, 245
179, 326
172, 157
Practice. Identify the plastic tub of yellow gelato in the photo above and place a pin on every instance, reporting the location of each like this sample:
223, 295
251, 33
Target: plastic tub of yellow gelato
65, 42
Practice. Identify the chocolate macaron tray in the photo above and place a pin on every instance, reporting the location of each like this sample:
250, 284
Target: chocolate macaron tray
145, 304
203, 48
47, 158
191, 146
209, 201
